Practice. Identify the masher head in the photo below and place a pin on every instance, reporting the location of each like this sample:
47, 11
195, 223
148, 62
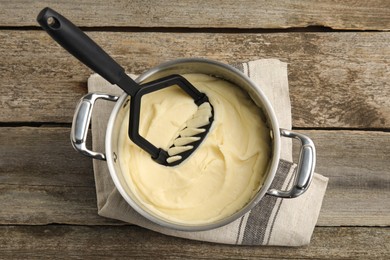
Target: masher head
189, 138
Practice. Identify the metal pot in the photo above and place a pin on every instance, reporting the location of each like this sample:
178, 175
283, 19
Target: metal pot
83, 113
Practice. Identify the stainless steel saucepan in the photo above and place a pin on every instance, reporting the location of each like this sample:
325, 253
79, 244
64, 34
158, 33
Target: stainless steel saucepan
83, 113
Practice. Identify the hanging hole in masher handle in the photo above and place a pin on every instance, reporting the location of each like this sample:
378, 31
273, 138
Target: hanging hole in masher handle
53, 22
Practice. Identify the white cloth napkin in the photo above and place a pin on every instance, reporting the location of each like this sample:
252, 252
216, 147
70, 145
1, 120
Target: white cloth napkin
274, 221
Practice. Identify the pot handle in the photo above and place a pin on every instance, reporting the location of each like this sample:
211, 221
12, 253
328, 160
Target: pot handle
81, 120
305, 169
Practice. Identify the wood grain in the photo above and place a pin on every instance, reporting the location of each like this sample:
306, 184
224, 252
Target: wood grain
40, 156
44, 181
133, 242
357, 164
336, 79
356, 15
45, 204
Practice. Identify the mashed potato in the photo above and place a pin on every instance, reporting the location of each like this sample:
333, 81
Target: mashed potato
221, 176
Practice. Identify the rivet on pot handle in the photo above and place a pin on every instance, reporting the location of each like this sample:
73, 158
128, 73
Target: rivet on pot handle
81, 120
305, 169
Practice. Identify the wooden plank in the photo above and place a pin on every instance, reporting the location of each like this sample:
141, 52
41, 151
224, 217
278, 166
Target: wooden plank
356, 15
40, 156
336, 79
357, 164
43, 181
44, 204
133, 242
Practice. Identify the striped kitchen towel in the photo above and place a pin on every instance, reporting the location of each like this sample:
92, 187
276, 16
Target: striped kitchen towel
274, 221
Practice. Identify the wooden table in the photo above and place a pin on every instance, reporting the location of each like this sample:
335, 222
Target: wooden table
338, 54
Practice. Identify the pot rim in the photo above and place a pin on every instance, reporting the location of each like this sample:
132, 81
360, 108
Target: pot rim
272, 167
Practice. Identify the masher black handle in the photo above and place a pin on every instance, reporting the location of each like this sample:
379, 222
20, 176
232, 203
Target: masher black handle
76, 42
